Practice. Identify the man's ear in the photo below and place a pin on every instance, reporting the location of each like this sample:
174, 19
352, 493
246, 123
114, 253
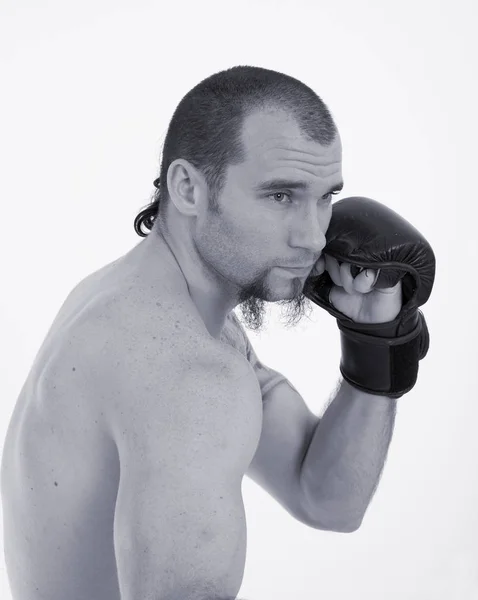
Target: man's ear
187, 187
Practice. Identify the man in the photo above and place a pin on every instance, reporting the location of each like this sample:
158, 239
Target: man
146, 404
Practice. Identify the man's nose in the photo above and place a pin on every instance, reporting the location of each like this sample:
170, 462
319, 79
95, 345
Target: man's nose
309, 231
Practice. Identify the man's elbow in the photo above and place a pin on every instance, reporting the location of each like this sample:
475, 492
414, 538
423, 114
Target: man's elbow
346, 528
335, 525
313, 517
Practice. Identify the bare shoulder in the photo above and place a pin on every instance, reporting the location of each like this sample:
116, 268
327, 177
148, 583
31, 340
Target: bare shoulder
152, 353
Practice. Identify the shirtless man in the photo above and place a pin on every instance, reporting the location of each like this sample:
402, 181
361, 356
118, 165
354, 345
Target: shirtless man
146, 404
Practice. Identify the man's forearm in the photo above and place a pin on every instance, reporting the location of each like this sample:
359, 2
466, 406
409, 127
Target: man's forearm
346, 455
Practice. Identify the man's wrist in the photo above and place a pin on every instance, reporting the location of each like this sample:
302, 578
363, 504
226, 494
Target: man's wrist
359, 395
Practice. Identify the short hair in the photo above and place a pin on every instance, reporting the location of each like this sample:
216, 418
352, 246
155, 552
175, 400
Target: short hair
206, 127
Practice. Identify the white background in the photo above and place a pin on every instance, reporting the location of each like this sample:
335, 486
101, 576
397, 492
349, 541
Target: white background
88, 89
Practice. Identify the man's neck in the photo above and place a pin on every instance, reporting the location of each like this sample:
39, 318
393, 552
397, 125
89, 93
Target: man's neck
205, 291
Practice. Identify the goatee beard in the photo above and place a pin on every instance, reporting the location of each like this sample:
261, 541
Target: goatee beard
252, 307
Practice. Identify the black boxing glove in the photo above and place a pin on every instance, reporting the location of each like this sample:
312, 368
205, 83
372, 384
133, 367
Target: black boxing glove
379, 358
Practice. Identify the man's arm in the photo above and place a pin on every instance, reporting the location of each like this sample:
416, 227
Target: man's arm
345, 458
323, 471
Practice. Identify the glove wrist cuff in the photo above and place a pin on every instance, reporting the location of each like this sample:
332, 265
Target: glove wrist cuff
379, 365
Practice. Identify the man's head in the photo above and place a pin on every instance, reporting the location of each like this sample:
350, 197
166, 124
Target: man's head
250, 162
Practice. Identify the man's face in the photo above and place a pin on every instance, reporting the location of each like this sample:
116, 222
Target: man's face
274, 211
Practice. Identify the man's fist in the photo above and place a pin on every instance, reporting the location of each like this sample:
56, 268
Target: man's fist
376, 271
356, 297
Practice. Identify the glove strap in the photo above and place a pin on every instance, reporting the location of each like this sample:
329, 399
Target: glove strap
382, 366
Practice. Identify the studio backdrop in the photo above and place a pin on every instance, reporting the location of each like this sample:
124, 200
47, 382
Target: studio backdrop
88, 89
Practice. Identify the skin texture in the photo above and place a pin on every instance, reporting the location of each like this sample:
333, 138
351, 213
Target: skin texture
86, 514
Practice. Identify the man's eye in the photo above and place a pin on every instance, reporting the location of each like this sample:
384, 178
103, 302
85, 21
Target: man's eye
329, 195
278, 196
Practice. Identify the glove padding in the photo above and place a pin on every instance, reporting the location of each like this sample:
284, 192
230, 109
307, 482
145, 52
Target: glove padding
379, 358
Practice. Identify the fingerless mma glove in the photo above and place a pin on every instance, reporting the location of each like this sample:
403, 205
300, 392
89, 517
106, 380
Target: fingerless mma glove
379, 358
